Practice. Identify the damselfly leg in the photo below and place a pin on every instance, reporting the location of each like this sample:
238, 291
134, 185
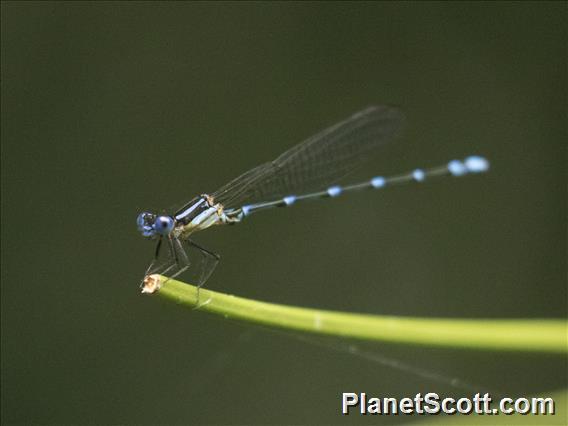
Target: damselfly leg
209, 261
182, 255
150, 269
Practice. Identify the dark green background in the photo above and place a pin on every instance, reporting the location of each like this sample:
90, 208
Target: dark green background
111, 108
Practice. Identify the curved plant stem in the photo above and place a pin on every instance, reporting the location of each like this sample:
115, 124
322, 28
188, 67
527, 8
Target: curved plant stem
532, 335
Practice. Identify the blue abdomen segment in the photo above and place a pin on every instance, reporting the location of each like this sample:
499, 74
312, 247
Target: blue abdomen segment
470, 165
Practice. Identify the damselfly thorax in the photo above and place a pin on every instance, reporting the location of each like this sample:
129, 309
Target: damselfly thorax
199, 214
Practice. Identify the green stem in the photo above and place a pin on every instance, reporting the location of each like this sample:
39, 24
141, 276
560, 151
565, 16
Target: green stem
532, 335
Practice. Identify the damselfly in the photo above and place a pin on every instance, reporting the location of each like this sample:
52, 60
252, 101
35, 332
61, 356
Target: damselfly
307, 171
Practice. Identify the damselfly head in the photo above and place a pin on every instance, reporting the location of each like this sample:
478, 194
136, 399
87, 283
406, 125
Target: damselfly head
151, 225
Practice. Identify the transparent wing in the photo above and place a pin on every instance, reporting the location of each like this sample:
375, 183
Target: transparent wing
317, 162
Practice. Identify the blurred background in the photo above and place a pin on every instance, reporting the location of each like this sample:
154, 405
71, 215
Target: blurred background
109, 109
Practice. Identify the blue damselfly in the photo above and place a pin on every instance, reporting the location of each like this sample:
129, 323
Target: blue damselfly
307, 171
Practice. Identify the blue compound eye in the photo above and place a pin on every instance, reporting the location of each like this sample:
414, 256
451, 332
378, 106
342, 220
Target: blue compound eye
164, 225
145, 222
142, 219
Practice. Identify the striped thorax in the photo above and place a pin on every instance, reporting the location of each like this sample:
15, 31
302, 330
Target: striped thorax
199, 214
